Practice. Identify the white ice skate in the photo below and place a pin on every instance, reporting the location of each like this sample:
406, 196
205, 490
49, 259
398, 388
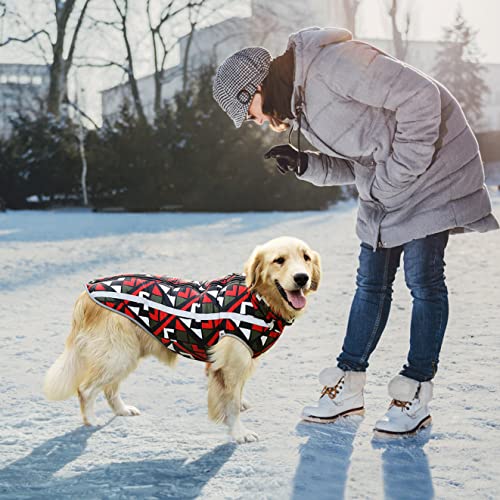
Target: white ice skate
408, 411
342, 396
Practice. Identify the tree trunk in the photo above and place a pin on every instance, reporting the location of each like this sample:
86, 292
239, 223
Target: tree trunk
158, 74
81, 140
58, 72
400, 46
57, 85
60, 66
134, 88
186, 58
350, 9
157, 83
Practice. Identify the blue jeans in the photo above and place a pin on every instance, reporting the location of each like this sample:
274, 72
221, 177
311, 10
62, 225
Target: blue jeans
424, 276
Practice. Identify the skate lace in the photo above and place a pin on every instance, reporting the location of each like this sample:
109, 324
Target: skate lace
332, 392
404, 405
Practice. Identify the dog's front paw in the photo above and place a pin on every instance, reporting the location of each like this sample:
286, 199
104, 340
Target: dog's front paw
245, 405
243, 435
128, 411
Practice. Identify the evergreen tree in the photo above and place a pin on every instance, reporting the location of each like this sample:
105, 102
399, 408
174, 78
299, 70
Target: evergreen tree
127, 166
221, 168
40, 159
458, 66
192, 158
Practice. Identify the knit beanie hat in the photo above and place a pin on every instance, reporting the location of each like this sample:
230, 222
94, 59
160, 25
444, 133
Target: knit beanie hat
236, 81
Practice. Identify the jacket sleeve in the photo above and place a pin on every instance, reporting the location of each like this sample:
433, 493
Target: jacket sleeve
364, 74
324, 170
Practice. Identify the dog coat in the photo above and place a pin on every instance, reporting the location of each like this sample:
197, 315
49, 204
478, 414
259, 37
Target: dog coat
189, 317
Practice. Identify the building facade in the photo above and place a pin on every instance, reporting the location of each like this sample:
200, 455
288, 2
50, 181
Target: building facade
23, 88
215, 43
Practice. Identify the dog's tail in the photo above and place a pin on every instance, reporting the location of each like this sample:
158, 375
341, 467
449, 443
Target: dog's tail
65, 375
62, 379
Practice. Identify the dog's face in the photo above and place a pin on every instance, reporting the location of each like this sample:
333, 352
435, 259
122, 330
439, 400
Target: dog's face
284, 271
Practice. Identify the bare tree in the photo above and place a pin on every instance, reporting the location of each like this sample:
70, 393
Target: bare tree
275, 17
193, 14
122, 8
61, 64
399, 36
164, 38
81, 147
163, 42
62, 52
202, 12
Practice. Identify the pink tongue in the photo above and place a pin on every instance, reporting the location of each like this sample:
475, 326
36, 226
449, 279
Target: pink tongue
296, 298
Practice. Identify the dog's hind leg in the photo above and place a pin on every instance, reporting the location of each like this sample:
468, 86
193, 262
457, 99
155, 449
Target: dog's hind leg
112, 350
86, 396
116, 403
232, 365
105, 378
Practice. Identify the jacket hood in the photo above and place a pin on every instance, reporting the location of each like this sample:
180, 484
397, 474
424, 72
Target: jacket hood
306, 44
318, 37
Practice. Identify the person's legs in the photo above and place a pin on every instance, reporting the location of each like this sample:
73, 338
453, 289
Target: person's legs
342, 394
411, 390
424, 275
370, 307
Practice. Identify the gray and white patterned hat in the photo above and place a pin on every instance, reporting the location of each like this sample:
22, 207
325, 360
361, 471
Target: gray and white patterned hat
237, 78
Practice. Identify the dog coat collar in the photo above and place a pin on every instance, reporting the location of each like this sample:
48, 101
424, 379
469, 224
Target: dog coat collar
189, 317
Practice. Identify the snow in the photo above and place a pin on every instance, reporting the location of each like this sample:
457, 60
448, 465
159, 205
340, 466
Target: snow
172, 450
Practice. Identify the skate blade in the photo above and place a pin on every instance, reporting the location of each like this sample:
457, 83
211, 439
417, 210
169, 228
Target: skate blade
329, 420
389, 434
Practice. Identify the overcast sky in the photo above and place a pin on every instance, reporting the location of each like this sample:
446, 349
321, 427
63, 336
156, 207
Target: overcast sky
428, 19
431, 15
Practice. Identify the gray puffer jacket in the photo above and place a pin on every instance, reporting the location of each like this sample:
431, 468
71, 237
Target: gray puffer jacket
396, 133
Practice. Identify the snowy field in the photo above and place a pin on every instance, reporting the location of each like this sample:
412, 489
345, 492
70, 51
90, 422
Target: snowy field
172, 450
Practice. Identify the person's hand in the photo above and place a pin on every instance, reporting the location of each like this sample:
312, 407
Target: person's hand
287, 159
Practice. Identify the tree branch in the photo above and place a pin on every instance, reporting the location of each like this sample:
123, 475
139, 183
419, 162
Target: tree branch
62, 14
82, 113
104, 64
72, 46
111, 24
25, 40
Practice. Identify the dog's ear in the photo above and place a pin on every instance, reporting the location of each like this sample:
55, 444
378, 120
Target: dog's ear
253, 268
316, 272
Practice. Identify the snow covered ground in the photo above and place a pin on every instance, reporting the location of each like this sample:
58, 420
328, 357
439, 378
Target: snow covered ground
172, 450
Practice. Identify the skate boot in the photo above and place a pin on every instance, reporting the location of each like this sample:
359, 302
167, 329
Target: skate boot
342, 395
408, 411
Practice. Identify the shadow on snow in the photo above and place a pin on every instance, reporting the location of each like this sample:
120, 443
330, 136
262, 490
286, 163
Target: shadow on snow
405, 466
325, 459
39, 226
33, 476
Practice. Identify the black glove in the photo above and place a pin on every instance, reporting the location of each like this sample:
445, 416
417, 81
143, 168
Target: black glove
287, 158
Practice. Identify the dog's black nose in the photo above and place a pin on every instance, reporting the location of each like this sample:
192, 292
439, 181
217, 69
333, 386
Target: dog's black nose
301, 279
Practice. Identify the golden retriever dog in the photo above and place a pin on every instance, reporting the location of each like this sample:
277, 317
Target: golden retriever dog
104, 346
